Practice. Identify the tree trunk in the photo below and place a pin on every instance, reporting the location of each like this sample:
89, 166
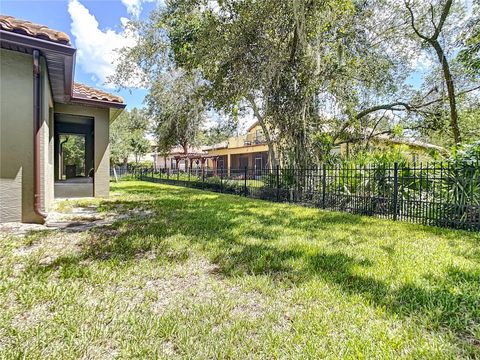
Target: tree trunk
185, 148
433, 42
266, 134
450, 90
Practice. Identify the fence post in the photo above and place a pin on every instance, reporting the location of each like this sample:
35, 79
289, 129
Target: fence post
278, 183
395, 191
221, 180
245, 181
324, 184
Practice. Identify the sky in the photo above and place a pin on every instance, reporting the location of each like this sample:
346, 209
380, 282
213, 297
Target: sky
95, 28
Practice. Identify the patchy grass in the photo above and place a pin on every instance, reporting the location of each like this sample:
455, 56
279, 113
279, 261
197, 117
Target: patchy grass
194, 274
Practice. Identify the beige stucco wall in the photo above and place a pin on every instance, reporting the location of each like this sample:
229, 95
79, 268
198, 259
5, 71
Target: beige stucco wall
46, 141
16, 137
101, 143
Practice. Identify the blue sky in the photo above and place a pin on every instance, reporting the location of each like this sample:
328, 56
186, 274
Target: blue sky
77, 19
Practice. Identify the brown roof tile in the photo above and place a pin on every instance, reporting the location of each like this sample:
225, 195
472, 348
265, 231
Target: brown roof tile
83, 91
23, 27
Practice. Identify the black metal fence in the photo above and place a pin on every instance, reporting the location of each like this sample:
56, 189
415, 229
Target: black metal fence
119, 172
441, 194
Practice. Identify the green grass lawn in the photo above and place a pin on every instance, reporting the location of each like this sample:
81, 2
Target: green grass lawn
195, 274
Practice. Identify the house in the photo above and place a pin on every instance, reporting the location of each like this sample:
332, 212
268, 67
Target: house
54, 133
178, 159
251, 151
236, 153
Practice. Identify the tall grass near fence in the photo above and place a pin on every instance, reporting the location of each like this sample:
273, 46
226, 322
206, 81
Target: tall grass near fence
442, 194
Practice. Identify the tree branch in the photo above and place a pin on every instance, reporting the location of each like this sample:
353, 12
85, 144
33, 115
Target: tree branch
443, 17
412, 22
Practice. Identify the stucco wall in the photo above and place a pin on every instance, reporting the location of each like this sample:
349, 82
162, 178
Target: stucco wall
101, 143
16, 137
46, 131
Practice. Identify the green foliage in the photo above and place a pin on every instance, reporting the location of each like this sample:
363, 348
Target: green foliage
469, 55
220, 131
317, 73
468, 152
177, 110
142, 164
128, 136
74, 152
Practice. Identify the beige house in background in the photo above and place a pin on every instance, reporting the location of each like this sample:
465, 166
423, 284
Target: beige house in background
251, 151
239, 152
39, 105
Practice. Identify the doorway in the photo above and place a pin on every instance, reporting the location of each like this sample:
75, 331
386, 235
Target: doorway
74, 156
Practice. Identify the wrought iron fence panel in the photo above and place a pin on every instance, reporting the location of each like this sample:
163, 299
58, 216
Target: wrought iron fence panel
441, 194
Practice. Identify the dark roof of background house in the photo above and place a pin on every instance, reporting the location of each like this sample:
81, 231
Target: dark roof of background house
23, 27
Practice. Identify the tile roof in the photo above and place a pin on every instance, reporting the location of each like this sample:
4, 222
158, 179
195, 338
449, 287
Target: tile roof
82, 91
23, 27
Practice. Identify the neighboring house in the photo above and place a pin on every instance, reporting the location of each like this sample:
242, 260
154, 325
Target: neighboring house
40, 109
251, 151
236, 153
177, 159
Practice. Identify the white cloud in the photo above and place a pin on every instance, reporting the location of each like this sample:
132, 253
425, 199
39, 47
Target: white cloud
134, 7
97, 49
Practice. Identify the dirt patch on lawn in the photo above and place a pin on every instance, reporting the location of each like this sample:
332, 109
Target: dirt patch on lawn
74, 219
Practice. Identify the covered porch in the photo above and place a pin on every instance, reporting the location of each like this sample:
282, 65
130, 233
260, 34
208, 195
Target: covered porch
74, 156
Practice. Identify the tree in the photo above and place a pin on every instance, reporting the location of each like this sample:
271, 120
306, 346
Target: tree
177, 111
469, 55
73, 151
219, 131
119, 143
137, 125
316, 73
433, 40
128, 136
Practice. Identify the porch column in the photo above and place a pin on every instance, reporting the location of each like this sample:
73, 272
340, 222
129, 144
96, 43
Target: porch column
229, 162
88, 151
214, 164
101, 182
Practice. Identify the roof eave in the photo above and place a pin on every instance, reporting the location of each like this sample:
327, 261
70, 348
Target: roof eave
36, 43
46, 47
97, 103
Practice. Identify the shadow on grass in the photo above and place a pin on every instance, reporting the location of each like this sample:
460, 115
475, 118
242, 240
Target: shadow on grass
219, 225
